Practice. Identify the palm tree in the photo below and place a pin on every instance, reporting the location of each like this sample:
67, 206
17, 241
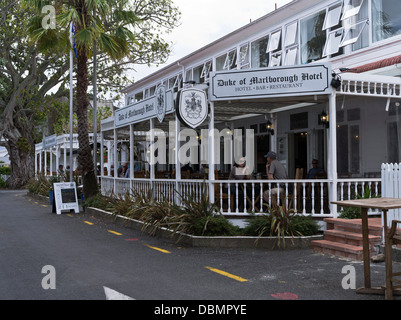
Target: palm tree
122, 29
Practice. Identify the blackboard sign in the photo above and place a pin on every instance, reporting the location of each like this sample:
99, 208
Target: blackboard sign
65, 197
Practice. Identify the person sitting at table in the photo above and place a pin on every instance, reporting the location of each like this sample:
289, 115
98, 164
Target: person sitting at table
204, 169
275, 171
122, 170
187, 167
239, 171
314, 173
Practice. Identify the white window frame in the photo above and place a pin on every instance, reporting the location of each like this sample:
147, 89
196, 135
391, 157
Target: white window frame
243, 57
291, 58
230, 58
275, 59
350, 10
347, 30
206, 70
274, 41
333, 42
291, 31
333, 16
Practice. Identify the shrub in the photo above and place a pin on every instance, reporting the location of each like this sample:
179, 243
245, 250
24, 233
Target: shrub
2, 183
40, 185
305, 225
197, 216
281, 223
5, 170
355, 212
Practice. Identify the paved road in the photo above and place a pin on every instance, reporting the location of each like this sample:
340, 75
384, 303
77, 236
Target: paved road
89, 255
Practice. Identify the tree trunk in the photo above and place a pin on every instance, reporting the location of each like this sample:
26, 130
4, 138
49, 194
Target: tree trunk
22, 159
85, 159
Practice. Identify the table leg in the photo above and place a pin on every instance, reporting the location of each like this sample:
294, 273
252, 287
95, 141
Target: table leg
365, 241
387, 249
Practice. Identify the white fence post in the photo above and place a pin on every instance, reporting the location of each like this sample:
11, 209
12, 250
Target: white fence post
391, 188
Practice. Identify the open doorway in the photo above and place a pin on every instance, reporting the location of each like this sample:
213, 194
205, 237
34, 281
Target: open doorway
262, 148
298, 153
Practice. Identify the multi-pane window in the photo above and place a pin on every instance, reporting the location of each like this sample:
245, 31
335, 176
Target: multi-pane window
343, 27
227, 61
207, 67
350, 30
243, 56
313, 37
291, 44
197, 71
258, 53
351, 8
386, 16
333, 16
200, 74
274, 49
333, 42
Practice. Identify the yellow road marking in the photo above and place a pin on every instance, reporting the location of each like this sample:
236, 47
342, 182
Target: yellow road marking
90, 223
116, 233
70, 215
43, 205
36, 202
158, 249
226, 274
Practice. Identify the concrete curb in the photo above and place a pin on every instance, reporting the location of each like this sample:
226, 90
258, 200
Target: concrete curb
210, 242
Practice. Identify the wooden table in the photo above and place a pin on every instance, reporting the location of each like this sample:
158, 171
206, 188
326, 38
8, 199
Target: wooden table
383, 204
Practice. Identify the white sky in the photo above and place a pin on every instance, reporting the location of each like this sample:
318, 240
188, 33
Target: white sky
204, 21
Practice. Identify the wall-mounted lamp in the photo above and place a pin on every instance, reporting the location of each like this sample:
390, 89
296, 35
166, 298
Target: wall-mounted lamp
336, 81
324, 119
269, 127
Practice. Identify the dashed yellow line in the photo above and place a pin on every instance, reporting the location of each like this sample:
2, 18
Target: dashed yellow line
116, 233
90, 223
226, 274
158, 249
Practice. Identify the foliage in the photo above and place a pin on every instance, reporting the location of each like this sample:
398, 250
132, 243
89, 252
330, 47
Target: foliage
2, 183
200, 217
355, 212
5, 170
191, 216
281, 222
305, 225
41, 185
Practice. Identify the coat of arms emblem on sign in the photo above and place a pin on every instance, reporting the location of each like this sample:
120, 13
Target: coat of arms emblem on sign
161, 103
193, 107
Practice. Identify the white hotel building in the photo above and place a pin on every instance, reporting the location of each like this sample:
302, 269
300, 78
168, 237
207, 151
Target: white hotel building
304, 60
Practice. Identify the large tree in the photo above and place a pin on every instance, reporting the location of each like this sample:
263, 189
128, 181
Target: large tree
121, 30
25, 78
125, 31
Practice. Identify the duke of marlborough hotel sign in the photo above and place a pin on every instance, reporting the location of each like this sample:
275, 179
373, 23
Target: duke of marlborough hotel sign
272, 82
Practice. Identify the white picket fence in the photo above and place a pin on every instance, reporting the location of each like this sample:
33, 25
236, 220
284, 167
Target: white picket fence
391, 187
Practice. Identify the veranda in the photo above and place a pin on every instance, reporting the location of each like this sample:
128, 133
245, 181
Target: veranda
306, 196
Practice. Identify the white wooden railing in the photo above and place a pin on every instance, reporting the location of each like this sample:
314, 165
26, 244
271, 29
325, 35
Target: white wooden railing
391, 180
243, 197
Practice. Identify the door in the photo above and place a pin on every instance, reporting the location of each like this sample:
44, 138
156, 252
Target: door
298, 153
